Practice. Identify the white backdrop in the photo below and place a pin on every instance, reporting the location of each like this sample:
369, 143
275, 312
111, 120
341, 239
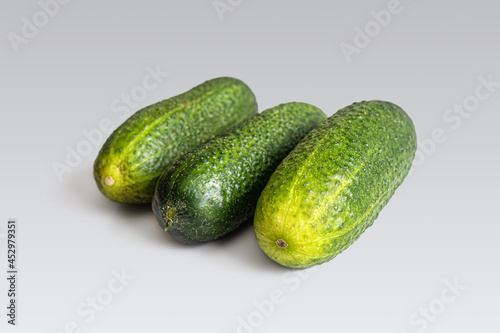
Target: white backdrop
70, 70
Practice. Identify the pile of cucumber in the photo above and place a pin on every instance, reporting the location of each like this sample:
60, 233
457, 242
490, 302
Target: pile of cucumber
208, 162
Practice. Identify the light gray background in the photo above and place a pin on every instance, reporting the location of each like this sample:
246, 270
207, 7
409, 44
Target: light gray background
442, 223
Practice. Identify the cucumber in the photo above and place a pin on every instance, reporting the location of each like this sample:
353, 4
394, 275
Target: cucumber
333, 185
134, 156
214, 188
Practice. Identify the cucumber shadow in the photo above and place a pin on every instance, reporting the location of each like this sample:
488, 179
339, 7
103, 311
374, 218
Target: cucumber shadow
142, 219
138, 217
241, 246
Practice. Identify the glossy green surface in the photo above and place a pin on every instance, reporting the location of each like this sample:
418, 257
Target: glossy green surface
333, 185
213, 189
137, 152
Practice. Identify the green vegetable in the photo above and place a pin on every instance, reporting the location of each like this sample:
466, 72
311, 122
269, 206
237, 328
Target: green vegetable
213, 189
333, 185
137, 152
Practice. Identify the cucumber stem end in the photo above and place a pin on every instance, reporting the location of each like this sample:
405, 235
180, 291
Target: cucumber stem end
109, 181
281, 244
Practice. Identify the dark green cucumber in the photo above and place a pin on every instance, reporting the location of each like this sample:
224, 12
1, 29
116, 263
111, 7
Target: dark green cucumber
214, 188
333, 185
137, 152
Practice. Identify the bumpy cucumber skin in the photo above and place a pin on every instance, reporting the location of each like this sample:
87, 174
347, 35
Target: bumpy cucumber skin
333, 185
213, 189
140, 149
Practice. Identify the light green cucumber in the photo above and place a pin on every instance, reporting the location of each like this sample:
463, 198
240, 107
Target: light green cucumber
333, 185
137, 152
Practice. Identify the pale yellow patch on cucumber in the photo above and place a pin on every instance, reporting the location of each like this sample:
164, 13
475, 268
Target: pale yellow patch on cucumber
109, 181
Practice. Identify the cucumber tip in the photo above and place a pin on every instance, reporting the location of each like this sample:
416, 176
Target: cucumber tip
281, 244
109, 181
